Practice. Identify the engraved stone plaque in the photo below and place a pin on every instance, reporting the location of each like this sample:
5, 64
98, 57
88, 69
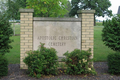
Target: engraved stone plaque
63, 35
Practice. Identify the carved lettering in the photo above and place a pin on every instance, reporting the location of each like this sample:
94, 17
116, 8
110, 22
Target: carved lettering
57, 43
57, 38
46, 37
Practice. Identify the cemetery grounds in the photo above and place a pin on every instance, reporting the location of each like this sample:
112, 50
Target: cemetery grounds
100, 50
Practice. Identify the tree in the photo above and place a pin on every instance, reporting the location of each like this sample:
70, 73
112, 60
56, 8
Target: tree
13, 7
2, 6
68, 8
48, 8
5, 34
100, 6
111, 33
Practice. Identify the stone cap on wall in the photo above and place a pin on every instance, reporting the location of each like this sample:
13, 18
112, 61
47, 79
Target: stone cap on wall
86, 11
57, 19
26, 10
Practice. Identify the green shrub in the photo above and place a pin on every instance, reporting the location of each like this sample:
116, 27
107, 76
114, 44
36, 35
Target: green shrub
42, 61
111, 33
114, 63
5, 33
3, 66
51, 60
78, 62
35, 63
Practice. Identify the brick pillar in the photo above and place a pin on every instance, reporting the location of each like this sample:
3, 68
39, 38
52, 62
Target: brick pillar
87, 33
26, 34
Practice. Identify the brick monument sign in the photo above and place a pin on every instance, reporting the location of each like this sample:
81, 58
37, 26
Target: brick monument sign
63, 34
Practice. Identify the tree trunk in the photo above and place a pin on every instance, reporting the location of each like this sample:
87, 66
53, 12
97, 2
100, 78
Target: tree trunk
14, 28
9, 8
94, 20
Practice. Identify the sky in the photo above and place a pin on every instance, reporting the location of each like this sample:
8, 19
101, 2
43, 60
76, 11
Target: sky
114, 7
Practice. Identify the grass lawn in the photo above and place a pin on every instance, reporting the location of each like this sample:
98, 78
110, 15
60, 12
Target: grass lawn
99, 23
100, 50
16, 26
14, 55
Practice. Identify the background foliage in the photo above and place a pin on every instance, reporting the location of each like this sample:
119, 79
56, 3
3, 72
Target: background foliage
100, 6
48, 8
13, 7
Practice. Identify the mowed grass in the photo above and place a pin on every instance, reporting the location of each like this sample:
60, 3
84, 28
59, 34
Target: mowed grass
14, 55
100, 50
16, 26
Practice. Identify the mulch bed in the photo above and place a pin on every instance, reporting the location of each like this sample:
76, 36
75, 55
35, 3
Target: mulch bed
15, 73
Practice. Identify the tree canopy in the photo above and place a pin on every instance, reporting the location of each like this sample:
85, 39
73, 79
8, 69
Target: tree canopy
100, 6
13, 7
48, 8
